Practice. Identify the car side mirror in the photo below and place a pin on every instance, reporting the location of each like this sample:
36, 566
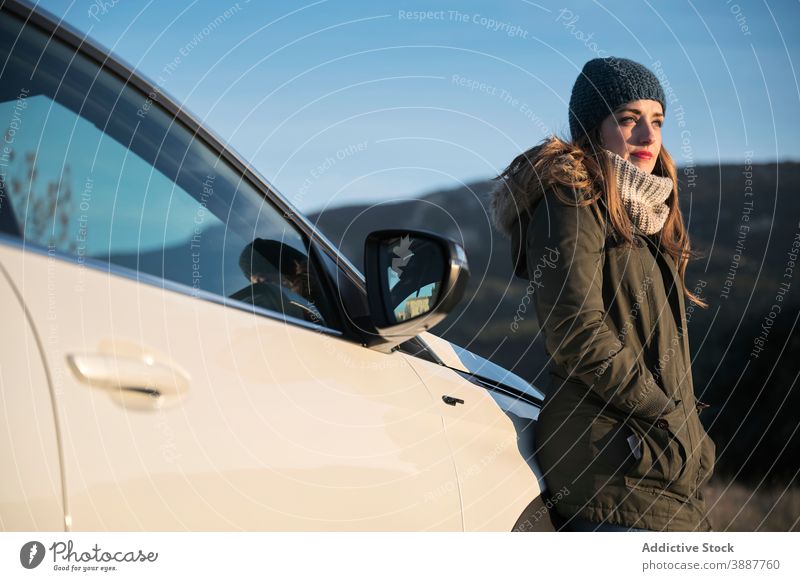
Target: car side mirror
414, 279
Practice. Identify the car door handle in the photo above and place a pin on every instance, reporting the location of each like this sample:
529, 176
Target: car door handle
134, 383
450, 400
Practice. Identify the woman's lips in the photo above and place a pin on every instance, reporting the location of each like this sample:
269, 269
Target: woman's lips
642, 154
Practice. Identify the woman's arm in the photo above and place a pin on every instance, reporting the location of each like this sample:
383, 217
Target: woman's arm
565, 254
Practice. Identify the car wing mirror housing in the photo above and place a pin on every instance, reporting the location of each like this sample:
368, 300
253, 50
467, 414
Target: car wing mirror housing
414, 279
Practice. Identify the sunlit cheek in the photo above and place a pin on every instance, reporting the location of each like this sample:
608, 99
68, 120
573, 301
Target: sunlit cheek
614, 139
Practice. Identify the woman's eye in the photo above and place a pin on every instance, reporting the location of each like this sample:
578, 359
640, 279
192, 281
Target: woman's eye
626, 119
658, 122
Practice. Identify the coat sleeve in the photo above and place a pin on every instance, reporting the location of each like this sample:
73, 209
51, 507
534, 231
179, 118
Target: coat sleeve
565, 256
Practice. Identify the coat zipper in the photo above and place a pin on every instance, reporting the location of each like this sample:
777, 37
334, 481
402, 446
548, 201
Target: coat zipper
684, 349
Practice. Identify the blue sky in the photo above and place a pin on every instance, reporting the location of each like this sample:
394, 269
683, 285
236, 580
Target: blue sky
339, 102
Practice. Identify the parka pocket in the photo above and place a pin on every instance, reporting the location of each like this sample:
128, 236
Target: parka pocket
610, 450
664, 466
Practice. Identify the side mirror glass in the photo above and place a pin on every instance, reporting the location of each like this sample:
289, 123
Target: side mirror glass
414, 279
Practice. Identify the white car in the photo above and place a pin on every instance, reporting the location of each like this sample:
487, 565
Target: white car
182, 350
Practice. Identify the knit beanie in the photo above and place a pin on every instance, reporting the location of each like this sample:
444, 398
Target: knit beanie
603, 85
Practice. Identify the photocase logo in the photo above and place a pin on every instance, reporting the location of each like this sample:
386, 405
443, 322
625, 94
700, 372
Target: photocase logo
31, 554
403, 253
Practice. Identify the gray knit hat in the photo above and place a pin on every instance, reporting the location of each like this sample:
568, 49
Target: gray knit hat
603, 85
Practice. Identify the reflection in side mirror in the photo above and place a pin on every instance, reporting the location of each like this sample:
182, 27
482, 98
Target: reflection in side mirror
413, 276
414, 279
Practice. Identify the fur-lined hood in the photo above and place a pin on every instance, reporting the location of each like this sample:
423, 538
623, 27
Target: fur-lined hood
522, 185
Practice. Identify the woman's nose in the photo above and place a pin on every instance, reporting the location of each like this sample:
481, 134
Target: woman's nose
646, 134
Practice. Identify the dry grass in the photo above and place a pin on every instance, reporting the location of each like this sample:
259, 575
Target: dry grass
737, 507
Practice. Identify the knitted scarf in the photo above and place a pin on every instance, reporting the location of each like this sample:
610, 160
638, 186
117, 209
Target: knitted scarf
643, 194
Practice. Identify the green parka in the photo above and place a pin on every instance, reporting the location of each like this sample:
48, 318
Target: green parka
620, 425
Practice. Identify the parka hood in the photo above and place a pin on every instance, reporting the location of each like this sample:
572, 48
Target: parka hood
522, 185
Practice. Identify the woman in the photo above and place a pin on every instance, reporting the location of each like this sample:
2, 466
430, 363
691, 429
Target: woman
596, 228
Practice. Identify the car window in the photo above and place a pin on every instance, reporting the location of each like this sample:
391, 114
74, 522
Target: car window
95, 169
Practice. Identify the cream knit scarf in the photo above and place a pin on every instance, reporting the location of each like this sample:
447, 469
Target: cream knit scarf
643, 194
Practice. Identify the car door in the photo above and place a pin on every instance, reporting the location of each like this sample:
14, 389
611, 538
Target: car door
202, 376
30, 486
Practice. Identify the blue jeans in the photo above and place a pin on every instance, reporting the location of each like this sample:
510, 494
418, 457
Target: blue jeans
580, 525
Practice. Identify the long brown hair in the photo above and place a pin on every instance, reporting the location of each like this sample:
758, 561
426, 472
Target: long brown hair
589, 170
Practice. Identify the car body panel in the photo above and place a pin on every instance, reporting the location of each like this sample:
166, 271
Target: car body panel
496, 481
281, 428
461, 359
31, 495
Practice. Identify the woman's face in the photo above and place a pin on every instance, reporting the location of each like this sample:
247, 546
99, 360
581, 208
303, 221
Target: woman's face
633, 132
